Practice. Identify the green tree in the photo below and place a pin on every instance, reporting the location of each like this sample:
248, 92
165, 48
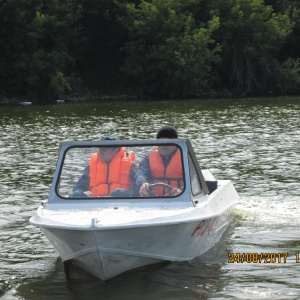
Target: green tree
251, 35
169, 52
290, 52
35, 41
101, 38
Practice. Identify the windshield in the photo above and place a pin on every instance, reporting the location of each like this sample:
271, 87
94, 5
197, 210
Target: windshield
121, 172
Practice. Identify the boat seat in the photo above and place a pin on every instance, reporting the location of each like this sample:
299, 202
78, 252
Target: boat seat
212, 185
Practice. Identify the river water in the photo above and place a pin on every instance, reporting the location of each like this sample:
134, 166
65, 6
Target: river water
253, 142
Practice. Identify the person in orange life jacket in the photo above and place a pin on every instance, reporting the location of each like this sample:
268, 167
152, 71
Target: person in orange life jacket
165, 162
94, 183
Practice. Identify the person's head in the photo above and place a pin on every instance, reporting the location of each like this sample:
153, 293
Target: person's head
167, 132
108, 153
109, 138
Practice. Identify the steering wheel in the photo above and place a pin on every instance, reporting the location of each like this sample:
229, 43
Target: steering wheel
164, 185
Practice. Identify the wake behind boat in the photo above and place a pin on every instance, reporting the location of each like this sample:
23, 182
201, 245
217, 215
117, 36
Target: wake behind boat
107, 235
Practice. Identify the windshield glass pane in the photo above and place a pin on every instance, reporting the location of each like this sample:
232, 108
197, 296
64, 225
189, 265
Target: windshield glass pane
122, 172
195, 181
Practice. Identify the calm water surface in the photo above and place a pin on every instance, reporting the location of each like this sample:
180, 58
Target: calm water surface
253, 142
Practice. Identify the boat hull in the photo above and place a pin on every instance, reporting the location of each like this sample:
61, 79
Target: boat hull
109, 235
106, 253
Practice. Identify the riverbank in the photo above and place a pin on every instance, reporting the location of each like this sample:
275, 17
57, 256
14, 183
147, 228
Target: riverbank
111, 98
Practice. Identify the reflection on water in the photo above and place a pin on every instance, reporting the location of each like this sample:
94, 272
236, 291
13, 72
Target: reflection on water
185, 280
255, 143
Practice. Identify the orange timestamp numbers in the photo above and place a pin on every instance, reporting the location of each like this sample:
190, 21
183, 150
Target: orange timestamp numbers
267, 258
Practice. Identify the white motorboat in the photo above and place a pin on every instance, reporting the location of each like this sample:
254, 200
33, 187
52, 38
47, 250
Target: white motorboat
60, 101
25, 103
106, 236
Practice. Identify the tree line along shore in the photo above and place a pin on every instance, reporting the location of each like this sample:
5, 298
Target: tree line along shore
114, 49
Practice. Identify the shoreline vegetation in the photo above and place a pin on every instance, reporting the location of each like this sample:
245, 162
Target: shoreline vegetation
104, 98
109, 50
115, 98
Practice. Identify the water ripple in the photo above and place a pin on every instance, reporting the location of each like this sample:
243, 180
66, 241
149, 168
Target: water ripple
255, 143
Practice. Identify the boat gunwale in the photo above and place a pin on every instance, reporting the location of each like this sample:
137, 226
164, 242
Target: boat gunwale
149, 222
128, 226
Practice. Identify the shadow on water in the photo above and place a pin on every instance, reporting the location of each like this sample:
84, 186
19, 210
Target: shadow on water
152, 282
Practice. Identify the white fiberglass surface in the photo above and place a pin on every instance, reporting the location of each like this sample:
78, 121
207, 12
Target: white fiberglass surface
115, 217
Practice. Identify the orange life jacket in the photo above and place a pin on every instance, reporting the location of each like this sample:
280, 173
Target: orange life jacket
106, 177
171, 175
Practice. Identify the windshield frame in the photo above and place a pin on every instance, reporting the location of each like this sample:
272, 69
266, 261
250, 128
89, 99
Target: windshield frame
184, 146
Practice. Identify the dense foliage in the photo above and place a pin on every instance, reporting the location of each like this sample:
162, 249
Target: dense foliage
159, 48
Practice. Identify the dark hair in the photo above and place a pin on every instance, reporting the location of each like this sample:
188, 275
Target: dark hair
109, 138
167, 132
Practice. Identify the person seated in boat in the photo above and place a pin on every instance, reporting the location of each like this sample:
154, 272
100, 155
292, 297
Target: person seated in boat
163, 165
111, 172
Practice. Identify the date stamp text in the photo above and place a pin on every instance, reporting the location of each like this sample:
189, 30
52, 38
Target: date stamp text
265, 258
